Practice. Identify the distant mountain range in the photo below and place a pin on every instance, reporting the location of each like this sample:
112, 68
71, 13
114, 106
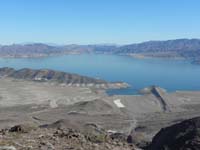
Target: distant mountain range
179, 48
183, 48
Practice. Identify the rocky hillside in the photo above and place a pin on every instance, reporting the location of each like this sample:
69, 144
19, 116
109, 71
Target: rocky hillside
186, 48
181, 136
46, 75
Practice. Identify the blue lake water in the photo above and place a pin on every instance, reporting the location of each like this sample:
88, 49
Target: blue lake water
139, 73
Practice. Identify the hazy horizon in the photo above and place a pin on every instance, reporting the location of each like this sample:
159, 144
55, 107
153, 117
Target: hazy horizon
111, 44
91, 22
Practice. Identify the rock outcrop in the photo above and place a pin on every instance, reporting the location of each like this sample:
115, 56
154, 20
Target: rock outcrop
181, 136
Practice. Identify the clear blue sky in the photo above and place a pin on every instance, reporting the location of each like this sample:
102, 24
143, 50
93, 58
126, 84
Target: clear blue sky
97, 21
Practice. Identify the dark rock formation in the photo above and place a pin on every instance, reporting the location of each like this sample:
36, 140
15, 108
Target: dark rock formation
130, 139
23, 128
181, 136
6, 71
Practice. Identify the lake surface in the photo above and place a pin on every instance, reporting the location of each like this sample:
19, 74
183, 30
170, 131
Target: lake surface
139, 73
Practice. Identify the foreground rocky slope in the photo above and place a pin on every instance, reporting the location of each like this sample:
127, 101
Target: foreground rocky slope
26, 137
181, 136
49, 107
64, 135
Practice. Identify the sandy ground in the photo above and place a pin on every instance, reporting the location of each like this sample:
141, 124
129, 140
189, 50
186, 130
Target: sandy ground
18, 92
44, 103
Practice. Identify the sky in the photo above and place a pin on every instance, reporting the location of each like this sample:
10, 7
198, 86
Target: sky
97, 21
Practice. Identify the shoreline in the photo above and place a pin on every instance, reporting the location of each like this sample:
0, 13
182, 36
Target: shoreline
139, 56
143, 56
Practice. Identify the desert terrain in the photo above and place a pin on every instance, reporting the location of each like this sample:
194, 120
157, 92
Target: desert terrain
47, 104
